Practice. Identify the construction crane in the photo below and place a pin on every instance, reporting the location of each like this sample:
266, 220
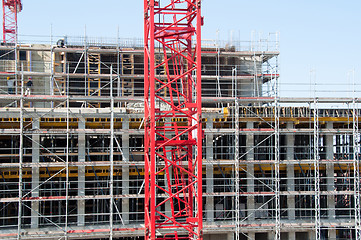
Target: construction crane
11, 8
172, 90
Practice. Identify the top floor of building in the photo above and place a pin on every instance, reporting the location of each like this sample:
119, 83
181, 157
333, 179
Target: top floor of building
94, 68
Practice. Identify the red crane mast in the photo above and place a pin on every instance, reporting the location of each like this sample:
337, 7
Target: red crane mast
172, 91
11, 8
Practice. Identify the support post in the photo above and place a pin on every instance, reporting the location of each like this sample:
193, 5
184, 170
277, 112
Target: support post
236, 166
125, 171
332, 234
168, 207
251, 235
291, 203
277, 172
250, 172
356, 166
111, 158
316, 165
291, 235
330, 171
35, 174
290, 144
21, 158
209, 170
81, 171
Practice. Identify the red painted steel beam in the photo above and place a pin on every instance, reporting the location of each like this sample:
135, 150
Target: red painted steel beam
172, 89
11, 8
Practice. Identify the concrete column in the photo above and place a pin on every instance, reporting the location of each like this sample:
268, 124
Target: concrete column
291, 203
250, 171
290, 143
251, 235
311, 235
330, 187
230, 236
250, 188
125, 170
332, 234
330, 171
329, 142
209, 171
250, 142
168, 209
81, 172
291, 235
35, 175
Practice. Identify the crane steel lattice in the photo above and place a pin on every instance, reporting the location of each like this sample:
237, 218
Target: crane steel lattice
11, 8
173, 204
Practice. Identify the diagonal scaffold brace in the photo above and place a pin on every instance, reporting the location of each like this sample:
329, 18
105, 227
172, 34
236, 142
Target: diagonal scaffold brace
172, 91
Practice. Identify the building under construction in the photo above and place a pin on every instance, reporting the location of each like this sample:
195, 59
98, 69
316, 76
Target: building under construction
72, 145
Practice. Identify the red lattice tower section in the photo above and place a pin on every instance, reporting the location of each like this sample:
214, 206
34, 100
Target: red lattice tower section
11, 8
172, 91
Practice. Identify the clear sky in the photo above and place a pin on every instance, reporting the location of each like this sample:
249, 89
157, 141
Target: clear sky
320, 39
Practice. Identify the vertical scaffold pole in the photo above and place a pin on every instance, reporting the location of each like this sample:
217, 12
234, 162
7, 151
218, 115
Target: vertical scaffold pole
316, 157
67, 183
111, 145
172, 90
236, 152
21, 156
277, 171
356, 152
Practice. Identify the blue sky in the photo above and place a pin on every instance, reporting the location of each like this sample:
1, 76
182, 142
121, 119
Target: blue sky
320, 39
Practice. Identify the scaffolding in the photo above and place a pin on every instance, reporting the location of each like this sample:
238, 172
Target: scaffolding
72, 151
